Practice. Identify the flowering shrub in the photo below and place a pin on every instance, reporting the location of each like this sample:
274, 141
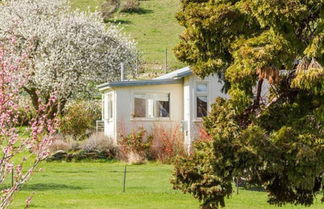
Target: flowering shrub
167, 143
134, 147
37, 138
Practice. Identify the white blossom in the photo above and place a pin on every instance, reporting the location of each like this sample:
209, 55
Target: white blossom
71, 51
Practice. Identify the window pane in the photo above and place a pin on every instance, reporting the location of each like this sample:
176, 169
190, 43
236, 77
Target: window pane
162, 105
139, 107
163, 109
201, 87
201, 106
110, 104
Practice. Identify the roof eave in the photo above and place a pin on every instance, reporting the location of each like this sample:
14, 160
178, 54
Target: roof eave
111, 85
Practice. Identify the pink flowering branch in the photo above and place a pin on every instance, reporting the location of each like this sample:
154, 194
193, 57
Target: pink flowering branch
13, 77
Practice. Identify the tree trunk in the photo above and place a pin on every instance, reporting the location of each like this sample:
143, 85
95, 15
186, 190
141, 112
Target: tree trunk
258, 95
33, 96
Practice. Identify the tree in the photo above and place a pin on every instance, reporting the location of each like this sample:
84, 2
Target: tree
19, 154
71, 51
276, 142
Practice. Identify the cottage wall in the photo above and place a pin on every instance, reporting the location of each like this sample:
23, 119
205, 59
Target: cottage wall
193, 124
123, 121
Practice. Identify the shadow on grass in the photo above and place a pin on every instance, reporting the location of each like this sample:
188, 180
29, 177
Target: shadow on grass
50, 186
123, 22
139, 11
253, 188
78, 171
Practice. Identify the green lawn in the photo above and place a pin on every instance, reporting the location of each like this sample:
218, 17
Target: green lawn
154, 27
99, 186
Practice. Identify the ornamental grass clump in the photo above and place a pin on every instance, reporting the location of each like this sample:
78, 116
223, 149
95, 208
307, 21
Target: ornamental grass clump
101, 145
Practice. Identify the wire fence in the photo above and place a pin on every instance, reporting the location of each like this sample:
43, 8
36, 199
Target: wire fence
158, 61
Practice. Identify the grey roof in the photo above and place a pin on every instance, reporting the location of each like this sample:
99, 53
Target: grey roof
183, 72
138, 83
169, 78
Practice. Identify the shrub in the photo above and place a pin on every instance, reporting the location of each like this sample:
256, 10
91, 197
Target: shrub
108, 8
130, 6
100, 145
24, 112
79, 119
59, 144
134, 147
167, 143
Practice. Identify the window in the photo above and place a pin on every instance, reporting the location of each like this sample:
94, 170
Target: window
151, 105
110, 106
201, 99
140, 106
108, 109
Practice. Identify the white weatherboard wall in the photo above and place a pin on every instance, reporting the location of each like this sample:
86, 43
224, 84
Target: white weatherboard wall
109, 123
123, 120
192, 124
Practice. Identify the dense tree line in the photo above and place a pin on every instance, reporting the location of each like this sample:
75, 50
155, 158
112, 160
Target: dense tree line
274, 141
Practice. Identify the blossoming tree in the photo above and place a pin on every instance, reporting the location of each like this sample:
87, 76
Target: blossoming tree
71, 51
19, 155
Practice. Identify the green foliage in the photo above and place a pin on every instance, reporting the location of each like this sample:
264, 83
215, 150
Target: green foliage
277, 141
135, 145
80, 118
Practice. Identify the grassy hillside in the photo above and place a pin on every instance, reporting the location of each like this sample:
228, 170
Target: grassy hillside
154, 27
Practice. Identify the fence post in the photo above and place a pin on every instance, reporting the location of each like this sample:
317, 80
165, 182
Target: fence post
166, 60
124, 183
12, 177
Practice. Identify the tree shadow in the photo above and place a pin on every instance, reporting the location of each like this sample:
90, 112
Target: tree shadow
50, 186
80, 171
123, 22
254, 188
139, 11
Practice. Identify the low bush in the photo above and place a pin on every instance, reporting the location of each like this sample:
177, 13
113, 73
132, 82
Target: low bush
79, 120
134, 147
25, 112
59, 144
167, 143
100, 144
108, 8
97, 146
130, 6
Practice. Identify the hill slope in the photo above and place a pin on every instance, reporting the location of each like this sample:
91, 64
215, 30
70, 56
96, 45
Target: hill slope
154, 27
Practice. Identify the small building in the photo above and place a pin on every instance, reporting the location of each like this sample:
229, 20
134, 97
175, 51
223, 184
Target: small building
177, 99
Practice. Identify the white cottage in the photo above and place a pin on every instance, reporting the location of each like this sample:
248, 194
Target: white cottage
178, 97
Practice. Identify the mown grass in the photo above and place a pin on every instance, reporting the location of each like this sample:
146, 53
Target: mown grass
154, 27
95, 185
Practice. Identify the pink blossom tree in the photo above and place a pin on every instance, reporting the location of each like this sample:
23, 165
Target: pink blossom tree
16, 150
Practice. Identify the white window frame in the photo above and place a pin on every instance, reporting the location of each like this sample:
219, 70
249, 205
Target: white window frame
147, 105
197, 94
108, 113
